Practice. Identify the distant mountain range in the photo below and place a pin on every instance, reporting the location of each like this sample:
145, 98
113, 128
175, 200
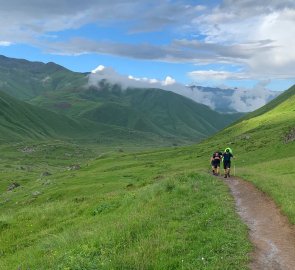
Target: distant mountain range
232, 100
58, 95
268, 131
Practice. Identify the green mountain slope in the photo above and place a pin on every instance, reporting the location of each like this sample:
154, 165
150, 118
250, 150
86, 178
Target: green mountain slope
149, 110
159, 112
25, 80
22, 121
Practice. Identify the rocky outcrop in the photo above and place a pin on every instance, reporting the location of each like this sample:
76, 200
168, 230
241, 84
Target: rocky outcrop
74, 167
12, 186
290, 136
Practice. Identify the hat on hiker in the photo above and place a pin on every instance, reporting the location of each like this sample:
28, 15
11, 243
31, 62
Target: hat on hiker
228, 150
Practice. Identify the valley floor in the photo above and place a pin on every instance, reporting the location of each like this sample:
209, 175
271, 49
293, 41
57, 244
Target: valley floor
147, 210
90, 208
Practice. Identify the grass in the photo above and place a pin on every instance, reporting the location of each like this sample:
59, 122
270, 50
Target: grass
119, 211
276, 178
152, 209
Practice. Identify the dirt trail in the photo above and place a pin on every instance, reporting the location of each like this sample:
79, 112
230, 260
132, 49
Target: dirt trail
270, 231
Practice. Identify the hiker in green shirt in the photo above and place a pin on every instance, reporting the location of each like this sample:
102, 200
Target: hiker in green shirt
226, 156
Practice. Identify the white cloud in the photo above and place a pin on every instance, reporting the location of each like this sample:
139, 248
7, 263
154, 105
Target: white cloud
250, 22
98, 69
214, 75
5, 43
251, 99
108, 73
169, 81
168, 84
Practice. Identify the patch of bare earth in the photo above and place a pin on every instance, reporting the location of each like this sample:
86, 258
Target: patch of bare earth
270, 232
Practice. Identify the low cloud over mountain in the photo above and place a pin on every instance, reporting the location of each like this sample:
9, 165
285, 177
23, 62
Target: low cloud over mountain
220, 99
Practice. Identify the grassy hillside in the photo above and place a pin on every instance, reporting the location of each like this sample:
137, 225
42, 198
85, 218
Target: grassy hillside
149, 110
148, 210
25, 80
20, 121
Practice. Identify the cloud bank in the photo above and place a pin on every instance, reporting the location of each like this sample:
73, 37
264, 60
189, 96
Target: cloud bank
225, 100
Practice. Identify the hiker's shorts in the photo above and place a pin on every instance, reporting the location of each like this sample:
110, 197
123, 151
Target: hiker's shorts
216, 163
226, 164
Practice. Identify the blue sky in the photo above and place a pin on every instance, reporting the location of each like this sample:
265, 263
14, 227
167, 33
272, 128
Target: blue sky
212, 43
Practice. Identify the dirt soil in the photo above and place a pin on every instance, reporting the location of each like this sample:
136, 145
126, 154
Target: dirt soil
270, 232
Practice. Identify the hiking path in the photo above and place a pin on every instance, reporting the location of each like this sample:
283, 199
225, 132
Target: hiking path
270, 232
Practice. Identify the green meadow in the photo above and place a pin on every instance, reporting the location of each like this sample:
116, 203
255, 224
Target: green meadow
138, 210
141, 208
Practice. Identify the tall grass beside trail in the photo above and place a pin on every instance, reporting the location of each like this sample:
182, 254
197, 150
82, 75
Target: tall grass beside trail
275, 178
124, 211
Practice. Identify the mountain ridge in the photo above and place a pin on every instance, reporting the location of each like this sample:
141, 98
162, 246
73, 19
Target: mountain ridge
154, 111
20, 121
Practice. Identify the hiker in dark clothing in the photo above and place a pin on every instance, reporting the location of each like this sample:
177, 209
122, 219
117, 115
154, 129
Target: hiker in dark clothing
227, 155
215, 162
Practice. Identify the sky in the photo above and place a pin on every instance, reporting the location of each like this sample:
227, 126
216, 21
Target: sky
242, 44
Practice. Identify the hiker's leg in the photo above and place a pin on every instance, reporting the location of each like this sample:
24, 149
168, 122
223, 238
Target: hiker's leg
225, 172
228, 169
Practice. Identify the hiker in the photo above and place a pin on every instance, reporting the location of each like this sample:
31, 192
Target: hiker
215, 162
226, 157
